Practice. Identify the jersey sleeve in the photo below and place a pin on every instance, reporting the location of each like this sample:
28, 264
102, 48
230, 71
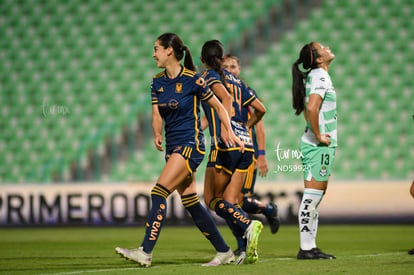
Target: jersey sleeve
248, 95
204, 92
154, 95
212, 77
253, 92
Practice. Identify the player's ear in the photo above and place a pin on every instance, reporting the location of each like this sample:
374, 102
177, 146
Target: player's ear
319, 60
170, 51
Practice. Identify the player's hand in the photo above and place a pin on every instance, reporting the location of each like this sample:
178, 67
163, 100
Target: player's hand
158, 143
226, 138
236, 140
262, 167
325, 139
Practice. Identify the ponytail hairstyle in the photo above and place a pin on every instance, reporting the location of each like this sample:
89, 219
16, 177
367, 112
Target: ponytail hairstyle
212, 54
307, 58
173, 40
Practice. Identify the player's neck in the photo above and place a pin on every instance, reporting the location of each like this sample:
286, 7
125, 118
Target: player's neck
325, 66
173, 70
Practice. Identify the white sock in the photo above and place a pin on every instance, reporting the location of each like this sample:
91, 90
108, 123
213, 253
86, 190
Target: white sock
308, 218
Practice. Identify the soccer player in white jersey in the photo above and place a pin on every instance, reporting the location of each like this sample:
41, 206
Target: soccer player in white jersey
314, 95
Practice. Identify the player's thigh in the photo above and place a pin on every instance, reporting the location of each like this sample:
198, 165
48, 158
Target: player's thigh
221, 180
175, 172
209, 182
233, 189
188, 186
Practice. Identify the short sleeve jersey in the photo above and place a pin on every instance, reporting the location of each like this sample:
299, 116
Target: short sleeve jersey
178, 102
242, 97
319, 82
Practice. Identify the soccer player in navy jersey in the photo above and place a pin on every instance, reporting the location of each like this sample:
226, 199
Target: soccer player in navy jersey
176, 95
227, 166
259, 165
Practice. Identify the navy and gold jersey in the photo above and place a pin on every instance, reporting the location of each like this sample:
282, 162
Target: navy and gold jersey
178, 102
242, 97
246, 113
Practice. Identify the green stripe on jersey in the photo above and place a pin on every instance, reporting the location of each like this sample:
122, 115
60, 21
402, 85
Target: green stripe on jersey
328, 115
329, 127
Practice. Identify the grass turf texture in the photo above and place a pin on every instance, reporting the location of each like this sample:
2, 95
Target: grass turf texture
181, 250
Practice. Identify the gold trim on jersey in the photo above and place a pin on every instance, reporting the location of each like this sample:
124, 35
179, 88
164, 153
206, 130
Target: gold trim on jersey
208, 95
188, 72
214, 127
215, 81
247, 102
197, 130
160, 74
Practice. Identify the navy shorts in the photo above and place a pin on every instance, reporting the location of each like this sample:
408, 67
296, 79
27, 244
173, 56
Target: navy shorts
212, 157
250, 180
192, 156
233, 160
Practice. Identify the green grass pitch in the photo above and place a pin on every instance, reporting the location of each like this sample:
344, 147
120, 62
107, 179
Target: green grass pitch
360, 249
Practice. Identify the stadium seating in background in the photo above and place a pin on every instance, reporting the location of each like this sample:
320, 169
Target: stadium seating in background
74, 74
372, 73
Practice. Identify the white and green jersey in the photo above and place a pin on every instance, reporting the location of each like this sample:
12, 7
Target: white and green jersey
319, 82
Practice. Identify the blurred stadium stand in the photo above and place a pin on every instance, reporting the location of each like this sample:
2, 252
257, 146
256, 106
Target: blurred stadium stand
75, 76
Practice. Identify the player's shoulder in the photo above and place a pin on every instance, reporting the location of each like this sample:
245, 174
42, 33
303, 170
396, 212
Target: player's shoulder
159, 75
211, 77
231, 78
189, 73
210, 73
320, 75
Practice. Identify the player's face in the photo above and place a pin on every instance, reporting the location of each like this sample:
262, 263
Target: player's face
324, 52
230, 64
160, 54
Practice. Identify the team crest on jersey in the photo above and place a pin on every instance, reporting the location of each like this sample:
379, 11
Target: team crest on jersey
178, 87
160, 90
323, 171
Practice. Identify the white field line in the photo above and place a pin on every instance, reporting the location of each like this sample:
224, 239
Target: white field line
169, 266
